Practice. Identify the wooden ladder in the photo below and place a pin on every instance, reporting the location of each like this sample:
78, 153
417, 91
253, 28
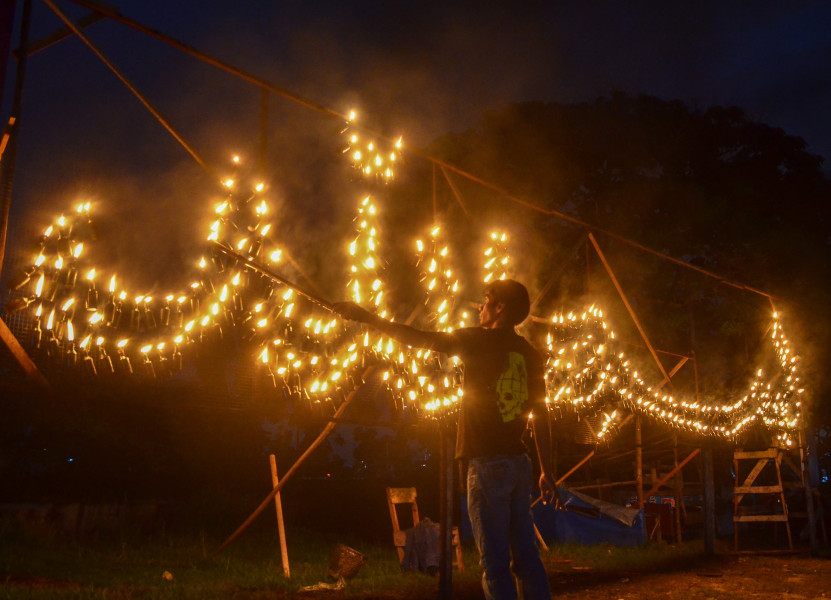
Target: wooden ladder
740, 514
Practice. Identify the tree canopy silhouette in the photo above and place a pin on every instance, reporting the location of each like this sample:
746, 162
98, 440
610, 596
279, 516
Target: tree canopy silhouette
711, 188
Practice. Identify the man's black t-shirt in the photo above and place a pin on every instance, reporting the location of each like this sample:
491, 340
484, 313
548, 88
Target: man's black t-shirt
503, 383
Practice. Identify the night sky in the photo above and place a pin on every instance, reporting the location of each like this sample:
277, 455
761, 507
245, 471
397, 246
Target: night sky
414, 68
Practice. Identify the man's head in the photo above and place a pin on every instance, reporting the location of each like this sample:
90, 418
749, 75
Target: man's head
506, 304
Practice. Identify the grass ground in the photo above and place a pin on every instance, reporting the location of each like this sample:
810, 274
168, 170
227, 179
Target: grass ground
166, 566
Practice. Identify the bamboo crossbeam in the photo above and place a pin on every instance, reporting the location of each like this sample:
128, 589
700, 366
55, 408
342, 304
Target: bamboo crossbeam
312, 447
603, 486
58, 36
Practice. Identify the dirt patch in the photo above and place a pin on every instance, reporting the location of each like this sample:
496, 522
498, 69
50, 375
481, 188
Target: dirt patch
737, 577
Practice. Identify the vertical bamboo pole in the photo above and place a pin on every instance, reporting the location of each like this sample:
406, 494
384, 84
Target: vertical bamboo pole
709, 502
446, 511
678, 489
262, 158
281, 528
639, 460
435, 197
11, 133
809, 493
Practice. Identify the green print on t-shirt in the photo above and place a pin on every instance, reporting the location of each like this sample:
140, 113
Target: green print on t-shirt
512, 388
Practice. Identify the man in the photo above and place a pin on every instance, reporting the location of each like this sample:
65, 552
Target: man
504, 383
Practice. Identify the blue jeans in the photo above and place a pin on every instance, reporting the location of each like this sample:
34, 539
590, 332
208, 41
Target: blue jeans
499, 503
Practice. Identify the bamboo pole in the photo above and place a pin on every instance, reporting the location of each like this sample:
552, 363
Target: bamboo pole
455, 191
628, 306
23, 359
557, 274
272, 275
709, 502
445, 591
10, 135
574, 468
639, 461
147, 104
281, 526
809, 493
669, 475
57, 36
262, 150
112, 13
312, 447
674, 370
602, 486
677, 489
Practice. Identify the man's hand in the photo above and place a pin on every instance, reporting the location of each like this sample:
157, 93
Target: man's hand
353, 312
548, 489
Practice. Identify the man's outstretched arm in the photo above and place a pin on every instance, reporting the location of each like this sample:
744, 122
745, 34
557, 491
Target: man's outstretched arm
405, 334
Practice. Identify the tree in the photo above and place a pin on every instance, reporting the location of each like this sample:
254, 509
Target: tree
712, 188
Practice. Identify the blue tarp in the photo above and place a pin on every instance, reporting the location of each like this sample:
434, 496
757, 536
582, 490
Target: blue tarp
589, 521
585, 520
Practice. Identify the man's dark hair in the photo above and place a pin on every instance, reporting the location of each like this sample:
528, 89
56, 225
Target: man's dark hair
514, 296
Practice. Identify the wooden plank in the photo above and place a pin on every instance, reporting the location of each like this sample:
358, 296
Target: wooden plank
742, 454
760, 518
758, 489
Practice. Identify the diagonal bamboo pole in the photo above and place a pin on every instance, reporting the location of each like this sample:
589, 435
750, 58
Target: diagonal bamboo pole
58, 36
674, 370
628, 307
669, 475
312, 447
454, 190
556, 277
153, 110
272, 275
21, 357
113, 13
